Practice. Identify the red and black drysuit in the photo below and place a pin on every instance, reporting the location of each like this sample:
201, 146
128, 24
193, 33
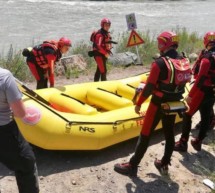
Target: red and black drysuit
40, 63
101, 47
195, 72
157, 85
201, 94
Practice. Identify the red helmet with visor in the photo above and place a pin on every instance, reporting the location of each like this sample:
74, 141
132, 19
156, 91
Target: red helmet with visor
166, 40
209, 38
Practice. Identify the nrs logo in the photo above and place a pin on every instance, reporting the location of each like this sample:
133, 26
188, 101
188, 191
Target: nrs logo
87, 129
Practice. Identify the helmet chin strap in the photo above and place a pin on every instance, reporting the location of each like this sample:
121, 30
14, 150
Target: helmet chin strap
210, 46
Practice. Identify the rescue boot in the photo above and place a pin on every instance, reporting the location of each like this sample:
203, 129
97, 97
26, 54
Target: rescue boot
126, 169
161, 167
181, 145
197, 144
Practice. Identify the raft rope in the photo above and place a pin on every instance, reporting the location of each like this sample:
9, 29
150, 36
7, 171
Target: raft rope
32, 93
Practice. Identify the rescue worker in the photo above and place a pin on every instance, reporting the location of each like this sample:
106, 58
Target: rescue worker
101, 49
201, 96
166, 82
212, 116
41, 60
15, 152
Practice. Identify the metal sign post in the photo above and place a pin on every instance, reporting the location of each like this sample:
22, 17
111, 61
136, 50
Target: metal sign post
138, 57
134, 38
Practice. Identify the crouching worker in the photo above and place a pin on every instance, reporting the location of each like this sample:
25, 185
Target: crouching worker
41, 60
166, 83
200, 97
15, 152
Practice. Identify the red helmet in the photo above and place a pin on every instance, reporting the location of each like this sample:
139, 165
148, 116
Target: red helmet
208, 38
166, 40
105, 20
64, 42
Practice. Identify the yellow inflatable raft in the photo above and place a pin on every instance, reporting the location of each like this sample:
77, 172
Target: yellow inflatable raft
86, 116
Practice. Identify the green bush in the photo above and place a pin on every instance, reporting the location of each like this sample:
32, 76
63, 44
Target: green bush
15, 62
189, 42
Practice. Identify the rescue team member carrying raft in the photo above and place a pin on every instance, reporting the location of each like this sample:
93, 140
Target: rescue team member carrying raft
102, 45
41, 60
166, 82
201, 96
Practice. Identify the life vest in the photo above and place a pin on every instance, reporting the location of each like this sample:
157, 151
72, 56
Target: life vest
179, 73
210, 55
40, 55
106, 41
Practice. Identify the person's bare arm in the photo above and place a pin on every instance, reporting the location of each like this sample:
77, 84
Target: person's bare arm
18, 108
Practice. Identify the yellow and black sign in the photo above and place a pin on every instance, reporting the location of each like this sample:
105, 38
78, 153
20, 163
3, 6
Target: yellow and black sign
134, 39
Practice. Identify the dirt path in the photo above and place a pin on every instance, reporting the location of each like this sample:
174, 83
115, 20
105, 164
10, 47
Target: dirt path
92, 172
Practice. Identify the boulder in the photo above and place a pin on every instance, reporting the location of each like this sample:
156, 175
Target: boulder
76, 62
193, 57
124, 59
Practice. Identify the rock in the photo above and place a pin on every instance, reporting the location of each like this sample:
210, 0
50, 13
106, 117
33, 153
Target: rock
41, 178
76, 62
193, 57
124, 59
157, 55
98, 176
74, 182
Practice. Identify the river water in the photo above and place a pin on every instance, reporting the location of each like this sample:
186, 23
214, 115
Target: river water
27, 22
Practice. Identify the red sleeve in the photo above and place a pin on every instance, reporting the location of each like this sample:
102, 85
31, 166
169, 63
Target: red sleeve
51, 59
203, 71
150, 83
98, 41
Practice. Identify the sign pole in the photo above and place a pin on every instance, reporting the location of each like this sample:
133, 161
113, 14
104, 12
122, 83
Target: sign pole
138, 57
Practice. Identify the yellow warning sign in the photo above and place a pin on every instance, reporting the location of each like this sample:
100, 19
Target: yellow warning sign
134, 39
